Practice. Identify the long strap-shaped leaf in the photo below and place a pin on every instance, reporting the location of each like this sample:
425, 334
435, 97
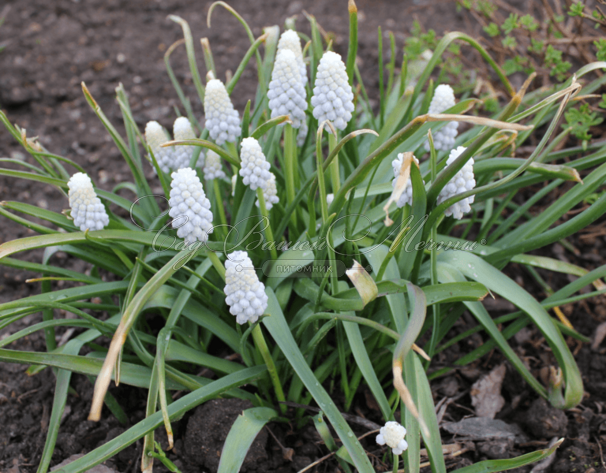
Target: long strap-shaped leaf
278, 328
61, 388
474, 267
175, 410
156, 241
128, 319
241, 436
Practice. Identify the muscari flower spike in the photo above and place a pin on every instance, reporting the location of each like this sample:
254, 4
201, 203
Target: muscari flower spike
333, 97
189, 207
156, 137
86, 209
289, 40
245, 294
182, 130
212, 167
302, 133
393, 434
463, 181
222, 121
270, 193
254, 166
286, 91
406, 196
443, 99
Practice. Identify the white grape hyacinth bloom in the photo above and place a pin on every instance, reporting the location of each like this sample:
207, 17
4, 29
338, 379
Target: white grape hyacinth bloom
302, 133
222, 121
406, 196
333, 97
392, 435
443, 98
245, 294
189, 207
286, 91
86, 209
289, 41
463, 181
156, 137
254, 166
270, 193
212, 166
182, 131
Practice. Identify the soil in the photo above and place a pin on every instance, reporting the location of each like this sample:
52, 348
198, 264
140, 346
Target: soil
53, 47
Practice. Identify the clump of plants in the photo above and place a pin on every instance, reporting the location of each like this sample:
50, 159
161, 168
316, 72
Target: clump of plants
325, 245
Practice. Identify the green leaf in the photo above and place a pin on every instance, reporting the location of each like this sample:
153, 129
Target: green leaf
493, 466
278, 328
476, 268
175, 411
241, 436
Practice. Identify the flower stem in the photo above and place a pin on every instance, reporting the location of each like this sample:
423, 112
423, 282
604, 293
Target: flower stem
219, 199
271, 367
396, 463
334, 166
216, 262
290, 163
268, 233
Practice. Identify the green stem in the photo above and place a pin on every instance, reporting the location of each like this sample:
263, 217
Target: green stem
334, 166
268, 233
271, 367
216, 262
396, 463
290, 164
219, 199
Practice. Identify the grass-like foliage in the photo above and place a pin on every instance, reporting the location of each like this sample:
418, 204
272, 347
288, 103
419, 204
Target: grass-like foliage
320, 338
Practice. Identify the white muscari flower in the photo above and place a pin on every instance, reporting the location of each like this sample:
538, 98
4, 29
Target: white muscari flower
270, 193
393, 434
406, 196
212, 166
254, 166
333, 97
189, 207
155, 137
462, 181
86, 209
286, 91
443, 98
302, 133
245, 294
289, 40
222, 121
182, 130
330, 198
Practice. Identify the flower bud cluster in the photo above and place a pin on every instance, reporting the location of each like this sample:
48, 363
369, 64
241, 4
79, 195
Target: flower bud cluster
392, 435
212, 167
182, 131
245, 294
462, 181
287, 90
289, 40
333, 97
222, 121
171, 158
254, 166
270, 193
189, 207
443, 99
86, 209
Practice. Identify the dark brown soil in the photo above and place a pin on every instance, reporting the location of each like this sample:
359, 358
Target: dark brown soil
56, 45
